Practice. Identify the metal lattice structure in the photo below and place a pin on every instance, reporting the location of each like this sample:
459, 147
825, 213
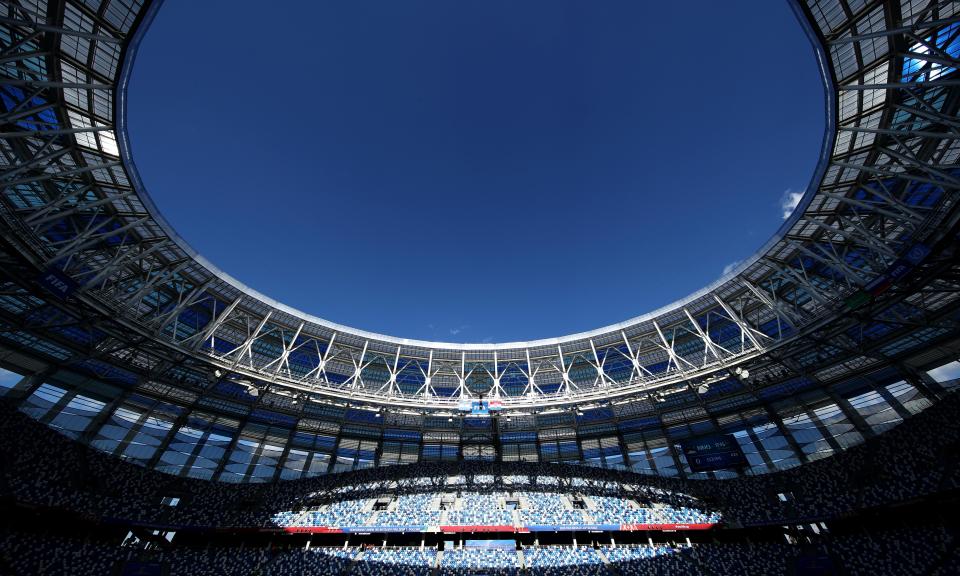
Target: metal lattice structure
860, 279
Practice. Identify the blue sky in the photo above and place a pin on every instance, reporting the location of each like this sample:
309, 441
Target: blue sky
475, 171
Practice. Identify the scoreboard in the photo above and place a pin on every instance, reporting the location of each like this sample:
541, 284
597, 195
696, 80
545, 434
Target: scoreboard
479, 407
717, 452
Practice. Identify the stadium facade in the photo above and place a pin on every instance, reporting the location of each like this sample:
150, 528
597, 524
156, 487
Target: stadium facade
127, 340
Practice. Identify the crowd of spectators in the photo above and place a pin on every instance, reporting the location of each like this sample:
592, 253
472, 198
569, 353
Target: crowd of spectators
563, 561
409, 510
403, 561
773, 559
24, 554
296, 562
212, 560
918, 458
550, 509
468, 509
907, 551
480, 510
344, 513
613, 510
486, 561
646, 560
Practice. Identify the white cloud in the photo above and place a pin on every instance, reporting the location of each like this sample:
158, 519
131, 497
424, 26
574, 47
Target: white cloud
788, 202
729, 267
458, 329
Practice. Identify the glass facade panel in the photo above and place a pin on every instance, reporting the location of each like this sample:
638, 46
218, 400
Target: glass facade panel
196, 448
346, 454
549, 451
266, 465
757, 465
390, 454
778, 450
662, 458
479, 452
319, 446
209, 456
149, 437
42, 400
808, 436
947, 375
641, 461
410, 452
240, 458
367, 454
8, 380
875, 411
182, 446
569, 452
294, 464
839, 426
909, 397
591, 452
610, 449
319, 464
255, 456
115, 430
528, 452
77, 415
